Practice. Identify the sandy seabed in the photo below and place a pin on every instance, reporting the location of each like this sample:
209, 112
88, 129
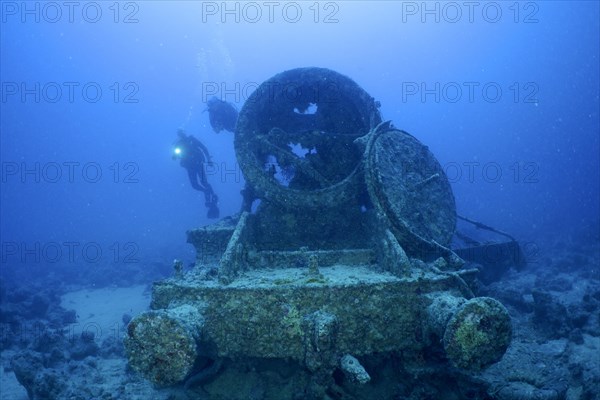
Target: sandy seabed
99, 311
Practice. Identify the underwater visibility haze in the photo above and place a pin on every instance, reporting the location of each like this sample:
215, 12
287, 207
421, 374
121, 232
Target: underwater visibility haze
245, 170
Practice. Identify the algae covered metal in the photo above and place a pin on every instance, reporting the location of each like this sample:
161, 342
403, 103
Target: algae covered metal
344, 257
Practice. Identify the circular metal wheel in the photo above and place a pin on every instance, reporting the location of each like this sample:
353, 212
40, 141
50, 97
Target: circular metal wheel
407, 184
295, 136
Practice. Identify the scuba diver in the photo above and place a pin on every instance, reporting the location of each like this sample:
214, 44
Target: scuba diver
193, 155
221, 114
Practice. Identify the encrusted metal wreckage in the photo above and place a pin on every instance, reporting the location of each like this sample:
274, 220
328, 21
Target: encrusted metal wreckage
346, 254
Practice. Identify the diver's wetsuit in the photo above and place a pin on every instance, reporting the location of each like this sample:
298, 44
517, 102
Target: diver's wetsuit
222, 115
193, 157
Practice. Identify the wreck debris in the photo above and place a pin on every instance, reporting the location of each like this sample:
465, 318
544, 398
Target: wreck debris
354, 370
345, 256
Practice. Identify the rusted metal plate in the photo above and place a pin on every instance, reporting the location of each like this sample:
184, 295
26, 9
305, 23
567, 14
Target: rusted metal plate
408, 185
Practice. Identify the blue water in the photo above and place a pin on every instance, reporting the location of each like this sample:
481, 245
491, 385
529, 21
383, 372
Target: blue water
505, 95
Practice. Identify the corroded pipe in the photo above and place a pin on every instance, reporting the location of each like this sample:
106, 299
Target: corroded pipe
475, 332
162, 345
